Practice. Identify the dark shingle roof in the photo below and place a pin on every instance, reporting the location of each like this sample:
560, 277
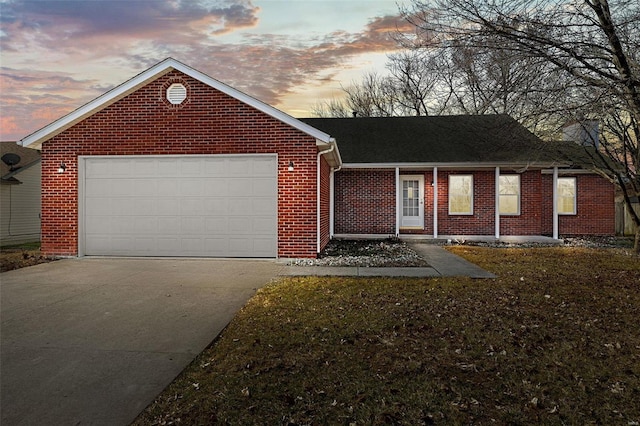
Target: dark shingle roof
434, 139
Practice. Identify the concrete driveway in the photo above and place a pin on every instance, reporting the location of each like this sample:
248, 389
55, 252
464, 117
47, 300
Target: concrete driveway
94, 340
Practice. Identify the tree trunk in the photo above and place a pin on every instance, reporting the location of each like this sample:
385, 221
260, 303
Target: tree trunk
636, 244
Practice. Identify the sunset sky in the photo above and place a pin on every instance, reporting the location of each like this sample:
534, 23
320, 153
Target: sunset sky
57, 55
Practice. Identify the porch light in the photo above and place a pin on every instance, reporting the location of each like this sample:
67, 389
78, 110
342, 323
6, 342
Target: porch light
290, 166
62, 167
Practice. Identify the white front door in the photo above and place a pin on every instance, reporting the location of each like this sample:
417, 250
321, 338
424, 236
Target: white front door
412, 202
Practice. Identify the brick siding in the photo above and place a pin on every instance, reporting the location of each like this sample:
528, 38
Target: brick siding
365, 204
208, 122
365, 201
595, 213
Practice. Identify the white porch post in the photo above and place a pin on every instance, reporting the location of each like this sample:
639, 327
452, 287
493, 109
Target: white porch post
555, 203
398, 201
497, 204
435, 202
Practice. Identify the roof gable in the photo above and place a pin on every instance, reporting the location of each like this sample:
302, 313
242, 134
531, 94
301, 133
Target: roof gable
454, 139
36, 139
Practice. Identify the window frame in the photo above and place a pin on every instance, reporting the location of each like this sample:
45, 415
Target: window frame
574, 197
518, 195
466, 213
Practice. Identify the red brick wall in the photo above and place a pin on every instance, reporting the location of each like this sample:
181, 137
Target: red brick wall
365, 201
595, 207
365, 204
482, 222
529, 222
209, 122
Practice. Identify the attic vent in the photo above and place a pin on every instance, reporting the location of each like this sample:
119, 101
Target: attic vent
176, 93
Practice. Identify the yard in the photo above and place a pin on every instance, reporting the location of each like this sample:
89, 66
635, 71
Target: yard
554, 340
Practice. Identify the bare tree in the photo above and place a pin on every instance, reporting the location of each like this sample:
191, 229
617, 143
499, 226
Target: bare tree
593, 46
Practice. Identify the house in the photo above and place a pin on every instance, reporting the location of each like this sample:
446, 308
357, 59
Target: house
438, 176
20, 194
176, 163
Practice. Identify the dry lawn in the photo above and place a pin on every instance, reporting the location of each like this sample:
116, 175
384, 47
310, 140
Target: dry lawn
554, 340
21, 256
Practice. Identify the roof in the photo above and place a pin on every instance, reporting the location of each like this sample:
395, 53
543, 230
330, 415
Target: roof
437, 140
28, 157
36, 139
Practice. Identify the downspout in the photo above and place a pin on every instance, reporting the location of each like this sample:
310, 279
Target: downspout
332, 201
320, 154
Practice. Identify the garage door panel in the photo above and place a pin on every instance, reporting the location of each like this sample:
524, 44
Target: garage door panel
144, 207
168, 206
181, 206
263, 206
265, 187
170, 225
216, 206
168, 187
216, 187
145, 167
192, 206
192, 225
145, 187
264, 226
215, 167
216, 225
145, 225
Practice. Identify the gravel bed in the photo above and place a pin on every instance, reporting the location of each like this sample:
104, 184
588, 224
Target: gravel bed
396, 253
589, 242
372, 253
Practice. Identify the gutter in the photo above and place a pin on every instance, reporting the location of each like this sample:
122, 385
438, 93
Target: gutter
320, 154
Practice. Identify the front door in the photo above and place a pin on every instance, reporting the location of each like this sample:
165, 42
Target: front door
412, 201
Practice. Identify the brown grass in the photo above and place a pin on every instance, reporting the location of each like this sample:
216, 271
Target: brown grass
21, 256
554, 340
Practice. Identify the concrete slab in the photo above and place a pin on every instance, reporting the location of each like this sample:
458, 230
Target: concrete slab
442, 264
448, 264
93, 341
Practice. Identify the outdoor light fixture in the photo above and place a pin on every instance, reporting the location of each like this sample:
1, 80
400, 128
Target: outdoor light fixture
290, 166
62, 167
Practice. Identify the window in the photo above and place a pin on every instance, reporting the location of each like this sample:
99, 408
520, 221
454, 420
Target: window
567, 195
509, 195
460, 194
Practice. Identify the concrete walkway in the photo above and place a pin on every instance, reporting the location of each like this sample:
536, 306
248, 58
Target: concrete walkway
93, 341
442, 263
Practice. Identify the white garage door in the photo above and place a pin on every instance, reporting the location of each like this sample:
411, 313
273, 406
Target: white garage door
218, 206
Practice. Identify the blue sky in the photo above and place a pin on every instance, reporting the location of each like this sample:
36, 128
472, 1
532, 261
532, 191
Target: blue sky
57, 55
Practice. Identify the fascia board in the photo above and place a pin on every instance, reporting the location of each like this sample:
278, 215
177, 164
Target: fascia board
450, 165
36, 139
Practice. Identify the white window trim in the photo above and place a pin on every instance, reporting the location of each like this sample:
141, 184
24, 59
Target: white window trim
519, 195
575, 197
470, 213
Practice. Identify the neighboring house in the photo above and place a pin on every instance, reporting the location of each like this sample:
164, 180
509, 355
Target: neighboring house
176, 163
20, 173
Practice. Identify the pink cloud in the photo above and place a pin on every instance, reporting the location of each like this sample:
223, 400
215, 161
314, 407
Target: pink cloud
268, 67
